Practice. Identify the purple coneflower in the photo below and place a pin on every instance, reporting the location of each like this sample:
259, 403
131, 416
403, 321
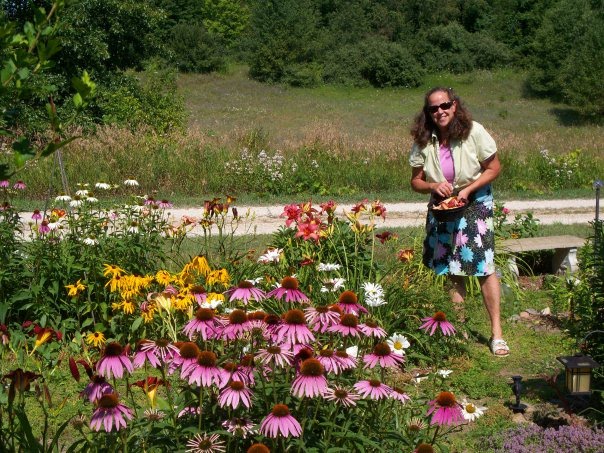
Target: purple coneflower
445, 410
114, 361
233, 394
322, 317
258, 448
36, 215
140, 356
19, 185
373, 389
348, 326
311, 381
204, 372
4, 184
43, 228
294, 329
439, 319
164, 204
341, 396
231, 371
204, 323
185, 359
244, 291
280, 422
329, 360
289, 290
275, 356
349, 303
199, 293
109, 411
161, 348
399, 395
424, 448
203, 443
246, 367
383, 355
241, 427
237, 326
96, 388
346, 361
372, 329
189, 411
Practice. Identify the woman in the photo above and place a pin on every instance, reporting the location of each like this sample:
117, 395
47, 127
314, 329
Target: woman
453, 155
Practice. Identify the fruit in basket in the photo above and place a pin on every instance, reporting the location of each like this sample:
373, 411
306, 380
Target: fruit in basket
450, 203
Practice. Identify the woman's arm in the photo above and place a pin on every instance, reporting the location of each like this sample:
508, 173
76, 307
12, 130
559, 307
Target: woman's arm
490, 170
419, 184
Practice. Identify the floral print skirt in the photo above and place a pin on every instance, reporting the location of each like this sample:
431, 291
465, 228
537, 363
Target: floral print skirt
465, 246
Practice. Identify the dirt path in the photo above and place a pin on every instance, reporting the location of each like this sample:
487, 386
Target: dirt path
267, 219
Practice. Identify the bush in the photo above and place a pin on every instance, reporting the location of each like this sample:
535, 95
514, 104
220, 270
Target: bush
195, 50
390, 64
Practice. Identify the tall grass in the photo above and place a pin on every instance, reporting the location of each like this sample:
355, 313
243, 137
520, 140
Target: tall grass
334, 141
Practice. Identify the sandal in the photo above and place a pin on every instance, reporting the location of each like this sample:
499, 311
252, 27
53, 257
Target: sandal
499, 347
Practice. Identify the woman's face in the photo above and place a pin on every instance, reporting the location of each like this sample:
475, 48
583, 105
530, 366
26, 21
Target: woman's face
441, 115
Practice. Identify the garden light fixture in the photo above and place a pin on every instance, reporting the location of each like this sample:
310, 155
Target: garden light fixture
578, 373
517, 389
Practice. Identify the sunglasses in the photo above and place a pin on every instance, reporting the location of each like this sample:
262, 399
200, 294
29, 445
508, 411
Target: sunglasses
443, 106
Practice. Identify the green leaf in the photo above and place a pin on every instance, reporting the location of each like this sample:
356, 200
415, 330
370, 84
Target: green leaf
77, 100
52, 147
136, 324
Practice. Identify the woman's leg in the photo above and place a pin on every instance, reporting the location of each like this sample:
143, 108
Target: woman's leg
491, 295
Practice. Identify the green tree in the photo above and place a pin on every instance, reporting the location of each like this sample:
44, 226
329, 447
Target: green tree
285, 42
227, 19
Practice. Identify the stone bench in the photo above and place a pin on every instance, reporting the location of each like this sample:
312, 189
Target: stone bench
565, 247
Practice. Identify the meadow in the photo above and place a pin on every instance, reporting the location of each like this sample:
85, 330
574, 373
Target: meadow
263, 143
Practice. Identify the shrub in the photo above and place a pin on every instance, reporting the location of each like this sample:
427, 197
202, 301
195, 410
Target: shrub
389, 64
195, 50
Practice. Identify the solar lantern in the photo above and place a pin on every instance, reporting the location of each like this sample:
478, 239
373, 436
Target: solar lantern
578, 373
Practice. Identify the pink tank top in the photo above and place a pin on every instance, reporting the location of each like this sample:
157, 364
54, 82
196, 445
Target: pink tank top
446, 163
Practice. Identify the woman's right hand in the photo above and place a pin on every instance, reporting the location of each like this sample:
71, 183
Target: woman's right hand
442, 189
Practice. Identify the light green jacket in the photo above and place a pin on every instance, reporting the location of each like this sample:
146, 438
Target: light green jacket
467, 156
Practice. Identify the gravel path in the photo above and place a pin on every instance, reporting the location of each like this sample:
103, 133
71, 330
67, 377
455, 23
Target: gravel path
267, 220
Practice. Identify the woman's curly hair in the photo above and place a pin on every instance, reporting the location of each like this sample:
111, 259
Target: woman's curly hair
423, 125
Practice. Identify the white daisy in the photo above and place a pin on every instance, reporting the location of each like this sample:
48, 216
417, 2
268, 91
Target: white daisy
90, 241
102, 186
332, 285
131, 182
444, 373
270, 256
63, 197
328, 267
82, 193
470, 411
374, 294
92, 200
76, 203
398, 343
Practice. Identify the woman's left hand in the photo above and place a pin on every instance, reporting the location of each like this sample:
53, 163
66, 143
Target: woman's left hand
464, 194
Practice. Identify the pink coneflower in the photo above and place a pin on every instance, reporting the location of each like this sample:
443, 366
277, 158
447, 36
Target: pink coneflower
110, 411
275, 356
43, 228
4, 184
241, 427
346, 361
329, 360
424, 448
280, 422
199, 293
322, 317
399, 395
341, 396
140, 356
372, 329
383, 356
247, 366
244, 291
231, 371
36, 215
373, 389
289, 290
164, 204
162, 349
294, 329
233, 394
439, 319
349, 303
237, 325
185, 359
348, 326
204, 372
311, 381
258, 448
259, 328
149, 201
114, 361
205, 323
19, 185
189, 411
445, 410
203, 443
97, 387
